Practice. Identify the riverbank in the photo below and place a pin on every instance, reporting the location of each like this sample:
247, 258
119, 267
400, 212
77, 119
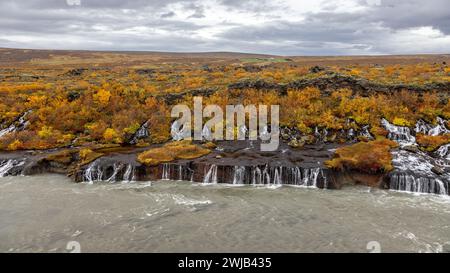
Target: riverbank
44, 213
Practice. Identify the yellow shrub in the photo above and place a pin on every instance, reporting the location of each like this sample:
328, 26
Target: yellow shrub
172, 151
103, 96
45, 132
15, 145
110, 135
368, 157
401, 122
431, 143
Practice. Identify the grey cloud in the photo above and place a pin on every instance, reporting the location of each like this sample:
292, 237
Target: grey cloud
111, 25
168, 14
400, 14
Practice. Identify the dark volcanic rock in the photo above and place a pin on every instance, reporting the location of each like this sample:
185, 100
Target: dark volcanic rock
75, 72
316, 69
259, 85
172, 98
147, 71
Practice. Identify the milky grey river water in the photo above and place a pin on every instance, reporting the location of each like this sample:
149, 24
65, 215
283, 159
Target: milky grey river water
45, 213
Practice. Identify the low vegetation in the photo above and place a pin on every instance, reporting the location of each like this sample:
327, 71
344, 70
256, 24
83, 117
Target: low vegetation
366, 157
88, 99
172, 151
431, 143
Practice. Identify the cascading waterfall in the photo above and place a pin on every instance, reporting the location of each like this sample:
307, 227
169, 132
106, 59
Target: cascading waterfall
211, 175
165, 172
176, 172
278, 175
206, 133
257, 176
178, 131
129, 175
351, 134
422, 127
398, 133
141, 133
444, 151
93, 173
19, 125
97, 172
417, 172
180, 173
365, 132
239, 175
408, 183
428, 129
116, 168
321, 136
264, 135
7, 165
243, 130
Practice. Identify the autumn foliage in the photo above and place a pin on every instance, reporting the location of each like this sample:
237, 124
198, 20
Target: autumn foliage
107, 104
356, 157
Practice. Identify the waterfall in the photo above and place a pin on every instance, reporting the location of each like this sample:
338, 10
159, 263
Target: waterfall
443, 151
166, 172
106, 171
20, 124
93, 173
7, 165
141, 133
116, 168
277, 176
239, 175
440, 128
264, 135
351, 134
180, 173
206, 133
398, 133
211, 175
257, 177
243, 131
177, 131
129, 175
325, 180
408, 183
428, 129
320, 136
176, 172
365, 132
310, 177
422, 127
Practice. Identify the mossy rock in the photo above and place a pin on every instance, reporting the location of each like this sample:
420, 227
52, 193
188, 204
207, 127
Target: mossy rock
65, 157
172, 151
366, 157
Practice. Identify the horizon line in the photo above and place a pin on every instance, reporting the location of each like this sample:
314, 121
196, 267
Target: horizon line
220, 52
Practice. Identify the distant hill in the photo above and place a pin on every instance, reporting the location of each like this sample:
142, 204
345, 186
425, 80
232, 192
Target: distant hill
9, 57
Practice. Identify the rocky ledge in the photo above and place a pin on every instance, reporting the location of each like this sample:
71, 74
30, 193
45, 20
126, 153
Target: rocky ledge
233, 162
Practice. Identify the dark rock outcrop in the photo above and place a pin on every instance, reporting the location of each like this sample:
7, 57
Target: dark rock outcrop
75, 72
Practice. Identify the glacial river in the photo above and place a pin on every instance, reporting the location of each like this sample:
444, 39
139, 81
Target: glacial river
50, 213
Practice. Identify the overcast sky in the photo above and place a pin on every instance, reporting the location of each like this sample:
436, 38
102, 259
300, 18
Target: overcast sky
288, 27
